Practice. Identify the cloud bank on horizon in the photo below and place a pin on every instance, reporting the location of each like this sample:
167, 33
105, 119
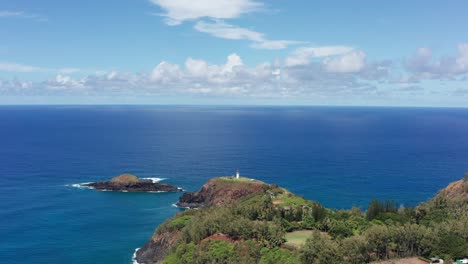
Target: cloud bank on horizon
300, 71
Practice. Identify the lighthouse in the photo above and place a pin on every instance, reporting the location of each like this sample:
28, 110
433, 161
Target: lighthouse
237, 174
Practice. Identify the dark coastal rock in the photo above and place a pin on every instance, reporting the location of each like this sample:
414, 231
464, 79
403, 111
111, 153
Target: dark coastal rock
131, 183
193, 199
156, 248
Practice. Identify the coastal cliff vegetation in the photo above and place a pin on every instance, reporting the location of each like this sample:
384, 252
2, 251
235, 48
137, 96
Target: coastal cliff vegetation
272, 225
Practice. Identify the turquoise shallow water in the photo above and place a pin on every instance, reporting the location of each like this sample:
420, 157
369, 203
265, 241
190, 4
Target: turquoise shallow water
338, 156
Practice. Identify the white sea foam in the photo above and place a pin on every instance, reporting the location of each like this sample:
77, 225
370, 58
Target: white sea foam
81, 185
155, 180
134, 260
175, 205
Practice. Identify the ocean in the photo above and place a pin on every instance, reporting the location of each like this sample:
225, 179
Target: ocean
338, 156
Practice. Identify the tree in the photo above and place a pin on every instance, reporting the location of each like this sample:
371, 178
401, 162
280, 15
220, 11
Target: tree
374, 208
318, 212
276, 255
378, 237
320, 249
355, 250
217, 251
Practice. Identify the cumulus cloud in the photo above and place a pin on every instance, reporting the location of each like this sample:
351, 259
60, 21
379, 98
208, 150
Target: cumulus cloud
165, 72
303, 55
423, 65
231, 79
223, 30
178, 11
348, 63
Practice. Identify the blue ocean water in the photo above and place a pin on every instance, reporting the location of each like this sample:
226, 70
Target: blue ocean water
339, 156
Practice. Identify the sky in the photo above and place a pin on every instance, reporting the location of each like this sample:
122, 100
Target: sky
234, 52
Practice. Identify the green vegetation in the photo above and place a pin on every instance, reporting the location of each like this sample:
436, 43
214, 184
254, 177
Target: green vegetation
298, 238
279, 227
180, 222
241, 179
465, 182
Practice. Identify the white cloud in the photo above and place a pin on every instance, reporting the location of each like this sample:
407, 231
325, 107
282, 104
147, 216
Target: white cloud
11, 14
178, 11
348, 63
274, 44
423, 65
303, 55
21, 14
69, 70
14, 67
165, 72
462, 58
197, 68
223, 30
231, 79
233, 61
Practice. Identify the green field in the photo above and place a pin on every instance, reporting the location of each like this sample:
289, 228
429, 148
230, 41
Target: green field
298, 238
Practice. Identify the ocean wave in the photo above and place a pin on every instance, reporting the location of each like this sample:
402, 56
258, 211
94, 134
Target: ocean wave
80, 185
175, 205
134, 260
155, 180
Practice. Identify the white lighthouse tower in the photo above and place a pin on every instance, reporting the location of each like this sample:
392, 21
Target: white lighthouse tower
237, 174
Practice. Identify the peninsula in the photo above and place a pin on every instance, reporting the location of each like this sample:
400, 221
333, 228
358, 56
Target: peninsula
131, 183
240, 220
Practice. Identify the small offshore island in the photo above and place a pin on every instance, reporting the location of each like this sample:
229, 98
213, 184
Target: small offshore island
131, 183
241, 220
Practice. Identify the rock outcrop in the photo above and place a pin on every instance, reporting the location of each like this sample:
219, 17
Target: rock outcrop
131, 183
157, 248
221, 191
455, 190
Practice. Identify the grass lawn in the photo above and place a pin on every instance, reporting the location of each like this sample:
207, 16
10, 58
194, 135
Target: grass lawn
297, 238
241, 179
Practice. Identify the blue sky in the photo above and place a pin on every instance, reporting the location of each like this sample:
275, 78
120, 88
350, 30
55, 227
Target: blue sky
398, 53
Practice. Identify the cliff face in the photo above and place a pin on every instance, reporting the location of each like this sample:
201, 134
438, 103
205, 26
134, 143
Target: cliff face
157, 248
221, 191
455, 190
